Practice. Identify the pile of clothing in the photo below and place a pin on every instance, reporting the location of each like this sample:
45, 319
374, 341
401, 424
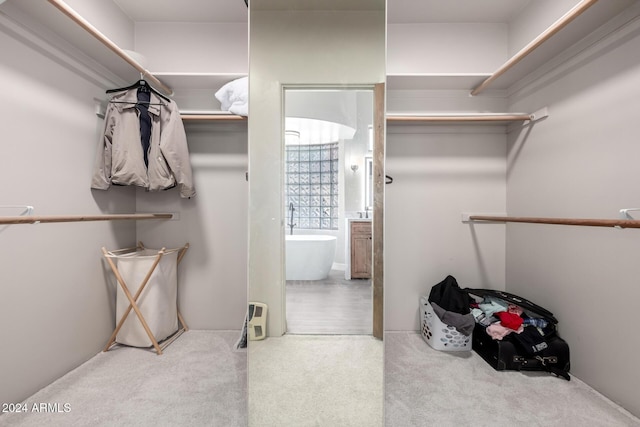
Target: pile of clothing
501, 318
509, 332
452, 305
462, 309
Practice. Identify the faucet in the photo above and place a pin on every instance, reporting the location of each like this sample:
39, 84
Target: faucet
291, 224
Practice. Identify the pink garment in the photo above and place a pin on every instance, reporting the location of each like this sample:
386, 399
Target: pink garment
497, 331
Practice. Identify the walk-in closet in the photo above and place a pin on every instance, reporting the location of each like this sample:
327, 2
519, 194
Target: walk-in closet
497, 145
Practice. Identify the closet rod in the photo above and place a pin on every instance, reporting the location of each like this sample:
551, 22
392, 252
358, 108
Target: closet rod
86, 25
78, 218
620, 223
462, 118
418, 118
203, 117
576, 11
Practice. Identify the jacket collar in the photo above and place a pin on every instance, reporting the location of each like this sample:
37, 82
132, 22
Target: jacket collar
129, 98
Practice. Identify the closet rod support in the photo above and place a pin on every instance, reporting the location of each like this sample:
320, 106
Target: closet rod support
624, 213
466, 216
540, 114
27, 210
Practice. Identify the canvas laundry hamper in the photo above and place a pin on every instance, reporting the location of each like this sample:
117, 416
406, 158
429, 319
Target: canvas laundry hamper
158, 300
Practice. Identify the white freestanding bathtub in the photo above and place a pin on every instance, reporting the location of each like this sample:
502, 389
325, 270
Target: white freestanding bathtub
309, 257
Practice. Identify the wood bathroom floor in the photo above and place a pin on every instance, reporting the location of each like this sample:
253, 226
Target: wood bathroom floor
333, 306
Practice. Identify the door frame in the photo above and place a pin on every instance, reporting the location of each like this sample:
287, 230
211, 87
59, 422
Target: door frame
377, 256
378, 208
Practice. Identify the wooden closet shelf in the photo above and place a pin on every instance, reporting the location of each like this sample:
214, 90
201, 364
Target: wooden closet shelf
80, 218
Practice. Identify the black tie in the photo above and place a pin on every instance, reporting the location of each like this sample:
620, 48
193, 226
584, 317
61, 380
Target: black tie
144, 97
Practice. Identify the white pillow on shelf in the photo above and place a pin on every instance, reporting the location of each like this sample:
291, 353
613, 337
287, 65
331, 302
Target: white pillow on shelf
234, 96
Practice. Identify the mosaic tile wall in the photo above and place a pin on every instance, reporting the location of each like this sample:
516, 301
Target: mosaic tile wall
311, 184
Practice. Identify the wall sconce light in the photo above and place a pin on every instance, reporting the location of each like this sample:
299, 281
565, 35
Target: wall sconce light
291, 137
354, 168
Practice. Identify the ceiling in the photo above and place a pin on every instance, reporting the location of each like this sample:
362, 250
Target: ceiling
453, 11
184, 10
398, 11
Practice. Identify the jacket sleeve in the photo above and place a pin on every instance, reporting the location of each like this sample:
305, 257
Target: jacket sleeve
101, 179
173, 144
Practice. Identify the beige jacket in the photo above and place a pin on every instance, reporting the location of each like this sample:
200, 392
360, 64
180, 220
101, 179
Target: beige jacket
120, 160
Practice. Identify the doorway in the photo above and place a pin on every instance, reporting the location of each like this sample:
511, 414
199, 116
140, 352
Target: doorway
328, 195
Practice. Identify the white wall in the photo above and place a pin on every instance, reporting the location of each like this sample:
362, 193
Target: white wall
445, 48
294, 47
440, 172
582, 162
57, 307
108, 18
212, 290
181, 47
538, 15
201, 56
213, 274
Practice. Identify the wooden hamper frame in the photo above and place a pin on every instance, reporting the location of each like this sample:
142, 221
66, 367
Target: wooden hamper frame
182, 327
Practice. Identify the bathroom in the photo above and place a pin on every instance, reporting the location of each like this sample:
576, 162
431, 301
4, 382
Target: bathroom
328, 200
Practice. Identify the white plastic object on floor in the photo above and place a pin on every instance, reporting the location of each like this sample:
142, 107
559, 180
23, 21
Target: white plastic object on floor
257, 327
439, 335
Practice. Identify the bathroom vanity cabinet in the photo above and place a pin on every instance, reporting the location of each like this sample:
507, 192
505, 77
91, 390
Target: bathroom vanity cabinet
361, 249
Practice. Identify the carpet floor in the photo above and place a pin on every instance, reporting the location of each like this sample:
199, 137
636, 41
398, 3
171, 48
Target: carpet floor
316, 381
323, 381
425, 387
199, 380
